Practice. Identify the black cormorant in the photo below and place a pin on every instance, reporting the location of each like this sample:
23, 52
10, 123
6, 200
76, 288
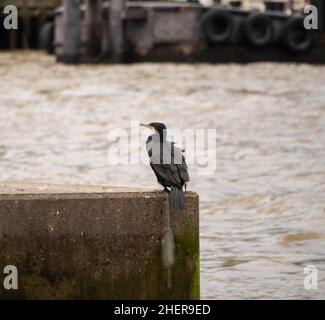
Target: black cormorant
168, 164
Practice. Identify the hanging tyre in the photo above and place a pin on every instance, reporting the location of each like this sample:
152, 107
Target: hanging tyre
47, 37
258, 29
217, 25
295, 37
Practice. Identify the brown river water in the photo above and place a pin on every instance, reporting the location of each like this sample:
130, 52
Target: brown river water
262, 216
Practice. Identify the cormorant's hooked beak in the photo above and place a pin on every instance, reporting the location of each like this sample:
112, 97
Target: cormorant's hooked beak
147, 126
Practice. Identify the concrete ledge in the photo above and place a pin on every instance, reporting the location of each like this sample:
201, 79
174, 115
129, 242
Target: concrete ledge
93, 242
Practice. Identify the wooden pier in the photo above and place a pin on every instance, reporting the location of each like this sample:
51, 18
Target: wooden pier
121, 31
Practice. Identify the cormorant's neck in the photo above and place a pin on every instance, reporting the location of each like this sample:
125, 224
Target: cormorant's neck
162, 135
158, 137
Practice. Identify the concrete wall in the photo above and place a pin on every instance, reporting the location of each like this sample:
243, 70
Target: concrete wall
91, 242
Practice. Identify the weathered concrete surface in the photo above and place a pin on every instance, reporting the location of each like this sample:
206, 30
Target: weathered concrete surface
72, 242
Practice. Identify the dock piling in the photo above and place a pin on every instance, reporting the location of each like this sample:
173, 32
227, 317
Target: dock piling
117, 11
71, 40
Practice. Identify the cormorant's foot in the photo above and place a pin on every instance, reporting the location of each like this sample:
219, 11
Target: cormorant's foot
166, 189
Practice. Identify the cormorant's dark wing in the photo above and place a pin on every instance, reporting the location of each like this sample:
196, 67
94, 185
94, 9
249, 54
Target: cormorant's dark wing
180, 163
167, 175
169, 167
182, 168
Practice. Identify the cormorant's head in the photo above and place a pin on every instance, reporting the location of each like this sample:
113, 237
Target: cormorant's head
158, 127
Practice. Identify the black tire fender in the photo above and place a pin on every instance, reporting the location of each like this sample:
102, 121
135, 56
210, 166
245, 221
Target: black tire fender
295, 37
217, 25
258, 29
47, 37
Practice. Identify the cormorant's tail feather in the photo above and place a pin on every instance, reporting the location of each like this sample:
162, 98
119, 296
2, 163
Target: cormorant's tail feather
176, 198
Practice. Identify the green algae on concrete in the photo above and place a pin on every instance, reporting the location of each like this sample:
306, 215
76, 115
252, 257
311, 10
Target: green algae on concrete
97, 244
